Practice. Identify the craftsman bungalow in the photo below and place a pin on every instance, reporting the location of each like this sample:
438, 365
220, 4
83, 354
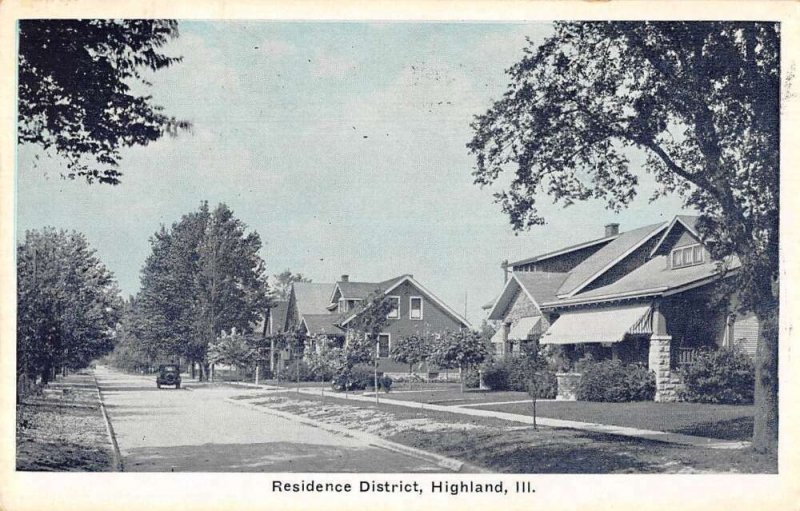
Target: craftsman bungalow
645, 295
324, 313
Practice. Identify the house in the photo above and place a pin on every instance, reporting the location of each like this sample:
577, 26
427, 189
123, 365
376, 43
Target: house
325, 312
646, 295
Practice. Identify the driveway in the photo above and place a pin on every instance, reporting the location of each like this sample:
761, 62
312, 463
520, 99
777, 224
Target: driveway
199, 431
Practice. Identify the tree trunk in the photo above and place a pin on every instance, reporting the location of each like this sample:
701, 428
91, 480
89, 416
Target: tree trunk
765, 425
533, 412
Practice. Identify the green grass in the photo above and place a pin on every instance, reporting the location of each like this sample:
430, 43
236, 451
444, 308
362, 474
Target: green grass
726, 422
451, 395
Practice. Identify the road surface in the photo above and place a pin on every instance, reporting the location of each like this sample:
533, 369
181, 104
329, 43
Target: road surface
199, 431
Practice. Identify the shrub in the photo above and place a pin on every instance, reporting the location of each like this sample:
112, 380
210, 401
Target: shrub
472, 379
515, 374
725, 376
385, 383
611, 380
495, 375
290, 372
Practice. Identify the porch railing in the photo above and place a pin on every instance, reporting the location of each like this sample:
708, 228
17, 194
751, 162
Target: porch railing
686, 356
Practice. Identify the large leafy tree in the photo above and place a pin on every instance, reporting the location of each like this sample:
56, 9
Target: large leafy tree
68, 303
204, 276
701, 99
76, 90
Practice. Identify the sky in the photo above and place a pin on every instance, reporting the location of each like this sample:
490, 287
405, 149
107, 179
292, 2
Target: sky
342, 144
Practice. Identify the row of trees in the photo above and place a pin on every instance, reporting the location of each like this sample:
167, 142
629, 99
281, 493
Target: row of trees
68, 305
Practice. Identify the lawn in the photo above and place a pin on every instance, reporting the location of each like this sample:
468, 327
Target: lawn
727, 422
502, 446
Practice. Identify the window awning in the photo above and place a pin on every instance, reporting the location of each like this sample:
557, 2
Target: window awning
498, 336
523, 327
599, 325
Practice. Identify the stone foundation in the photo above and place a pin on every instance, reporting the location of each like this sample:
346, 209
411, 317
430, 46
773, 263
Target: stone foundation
567, 386
659, 362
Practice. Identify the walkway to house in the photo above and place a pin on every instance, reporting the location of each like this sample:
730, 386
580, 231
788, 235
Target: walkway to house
646, 434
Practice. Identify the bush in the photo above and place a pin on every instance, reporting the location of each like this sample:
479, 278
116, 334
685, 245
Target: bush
613, 381
290, 372
515, 373
472, 379
725, 376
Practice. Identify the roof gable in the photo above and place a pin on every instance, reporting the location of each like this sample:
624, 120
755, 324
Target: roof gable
538, 286
311, 297
680, 221
389, 285
605, 258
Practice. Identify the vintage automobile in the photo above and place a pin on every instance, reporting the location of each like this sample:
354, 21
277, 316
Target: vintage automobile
168, 374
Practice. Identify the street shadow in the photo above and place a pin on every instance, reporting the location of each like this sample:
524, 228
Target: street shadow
264, 457
138, 389
740, 428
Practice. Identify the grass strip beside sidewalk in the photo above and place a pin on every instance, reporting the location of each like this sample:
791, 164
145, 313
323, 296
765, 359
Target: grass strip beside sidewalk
63, 429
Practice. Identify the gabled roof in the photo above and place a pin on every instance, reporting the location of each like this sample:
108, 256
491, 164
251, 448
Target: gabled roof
311, 297
278, 314
654, 277
322, 324
688, 222
389, 285
605, 258
539, 286
562, 251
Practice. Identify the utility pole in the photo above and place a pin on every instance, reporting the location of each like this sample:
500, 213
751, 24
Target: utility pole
377, 354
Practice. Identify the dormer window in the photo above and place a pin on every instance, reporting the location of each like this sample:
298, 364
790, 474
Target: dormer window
687, 256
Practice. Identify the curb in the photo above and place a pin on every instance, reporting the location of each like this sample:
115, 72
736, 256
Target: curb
449, 463
115, 455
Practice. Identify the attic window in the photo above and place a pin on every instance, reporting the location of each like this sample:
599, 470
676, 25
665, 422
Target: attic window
687, 256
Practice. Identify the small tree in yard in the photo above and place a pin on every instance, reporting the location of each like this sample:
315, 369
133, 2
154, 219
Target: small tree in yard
459, 350
411, 350
536, 369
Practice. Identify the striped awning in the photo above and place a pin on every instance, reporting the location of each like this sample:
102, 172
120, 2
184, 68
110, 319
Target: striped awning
524, 327
609, 324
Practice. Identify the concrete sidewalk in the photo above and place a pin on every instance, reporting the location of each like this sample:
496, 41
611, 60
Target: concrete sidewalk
645, 434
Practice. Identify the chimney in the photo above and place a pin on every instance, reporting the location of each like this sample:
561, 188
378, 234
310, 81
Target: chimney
345, 278
612, 229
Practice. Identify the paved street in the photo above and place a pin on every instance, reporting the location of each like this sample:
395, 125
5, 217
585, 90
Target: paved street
199, 431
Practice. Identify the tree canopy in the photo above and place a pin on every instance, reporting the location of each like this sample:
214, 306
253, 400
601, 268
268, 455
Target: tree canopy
701, 99
68, 303
204, 275
75, 93
281, 283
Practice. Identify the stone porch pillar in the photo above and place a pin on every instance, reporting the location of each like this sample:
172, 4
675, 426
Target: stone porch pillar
658, 359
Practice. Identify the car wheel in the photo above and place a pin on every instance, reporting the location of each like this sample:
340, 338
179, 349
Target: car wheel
158, 385
178, 385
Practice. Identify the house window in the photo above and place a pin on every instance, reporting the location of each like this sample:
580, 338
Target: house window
687, 256
415, 308
394, 313
383, 345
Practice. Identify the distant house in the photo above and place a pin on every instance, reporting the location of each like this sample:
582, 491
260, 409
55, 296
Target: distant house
324, 312
645, 295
